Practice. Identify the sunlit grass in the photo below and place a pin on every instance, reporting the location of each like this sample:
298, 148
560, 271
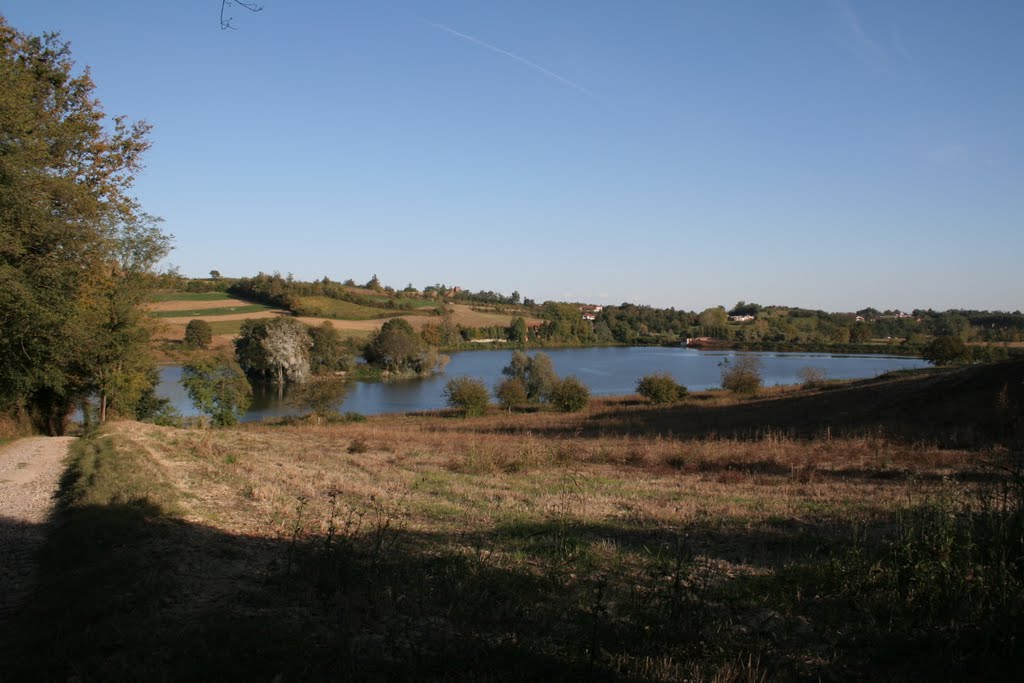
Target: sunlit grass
206, 312
189, 296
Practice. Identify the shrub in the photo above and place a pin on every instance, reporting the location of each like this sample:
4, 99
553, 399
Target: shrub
569, 394
946, 351
742, 375
537, 373
660, 387
320, 395
467, 394
811, 377
511, 392
198, 334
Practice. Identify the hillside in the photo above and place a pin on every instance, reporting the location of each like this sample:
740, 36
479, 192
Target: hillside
226, 312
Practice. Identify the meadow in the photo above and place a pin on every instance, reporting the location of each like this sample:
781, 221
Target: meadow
529, 545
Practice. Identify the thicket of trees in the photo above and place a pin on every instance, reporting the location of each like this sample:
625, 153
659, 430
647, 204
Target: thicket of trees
399, 349
77, 252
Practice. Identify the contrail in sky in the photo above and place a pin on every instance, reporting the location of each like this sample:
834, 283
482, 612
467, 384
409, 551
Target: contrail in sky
511, 55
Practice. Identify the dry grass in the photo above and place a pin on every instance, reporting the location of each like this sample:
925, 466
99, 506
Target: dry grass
541, 545
502, 489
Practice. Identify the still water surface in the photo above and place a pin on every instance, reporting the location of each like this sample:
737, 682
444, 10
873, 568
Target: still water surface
608, 371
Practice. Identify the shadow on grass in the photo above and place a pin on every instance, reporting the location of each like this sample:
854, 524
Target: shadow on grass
971, 407
128, 591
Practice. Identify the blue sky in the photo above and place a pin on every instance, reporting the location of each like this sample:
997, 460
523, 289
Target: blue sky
823, 153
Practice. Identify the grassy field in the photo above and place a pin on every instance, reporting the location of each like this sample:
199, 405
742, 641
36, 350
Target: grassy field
190, 296
207, 312
615, 544
325, 307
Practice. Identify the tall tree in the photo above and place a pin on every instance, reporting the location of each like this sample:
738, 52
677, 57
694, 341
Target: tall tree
67, 221
117, 355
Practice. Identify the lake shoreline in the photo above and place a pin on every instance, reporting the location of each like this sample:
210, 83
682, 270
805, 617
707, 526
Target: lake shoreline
607, 371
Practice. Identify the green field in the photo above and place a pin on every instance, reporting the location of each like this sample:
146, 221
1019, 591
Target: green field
202, 312
325, 307
412, 303
235, 326
226, 326
190, 296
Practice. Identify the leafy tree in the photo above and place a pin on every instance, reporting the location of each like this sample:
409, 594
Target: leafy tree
218, 388
660, 387
328, 353
396, 347
320, 395
66, 222
517, 331
713, 321
467, 394
116, 351
952, 324
569, 394
249, 349
743, 308
214, 274
287, 345
537, 373
946, 350
198, 334
860, 333
278, 349
511, 392
374, 284
742, 375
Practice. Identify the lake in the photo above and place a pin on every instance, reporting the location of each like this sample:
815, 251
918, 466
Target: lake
608, 371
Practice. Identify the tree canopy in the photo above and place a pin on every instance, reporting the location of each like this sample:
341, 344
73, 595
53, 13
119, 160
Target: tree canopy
76, 250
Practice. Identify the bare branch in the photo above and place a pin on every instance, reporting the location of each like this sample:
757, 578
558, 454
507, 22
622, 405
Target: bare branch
225, 21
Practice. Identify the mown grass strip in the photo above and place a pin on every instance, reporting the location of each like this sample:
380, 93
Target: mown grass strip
205, 312
325, 307
190, 296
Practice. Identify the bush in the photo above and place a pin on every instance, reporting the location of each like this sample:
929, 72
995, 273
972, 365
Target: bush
537, 373
198, 334
320, 395
511, 393
467, 394
742, 375
569, 395
811, 377
660, 387
946, 351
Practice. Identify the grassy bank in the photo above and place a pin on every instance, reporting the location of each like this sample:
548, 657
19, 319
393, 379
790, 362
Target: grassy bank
603, 545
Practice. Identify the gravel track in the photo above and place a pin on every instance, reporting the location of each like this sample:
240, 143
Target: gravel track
30, 471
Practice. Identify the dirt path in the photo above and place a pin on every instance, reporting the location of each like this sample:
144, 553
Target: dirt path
30, 471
